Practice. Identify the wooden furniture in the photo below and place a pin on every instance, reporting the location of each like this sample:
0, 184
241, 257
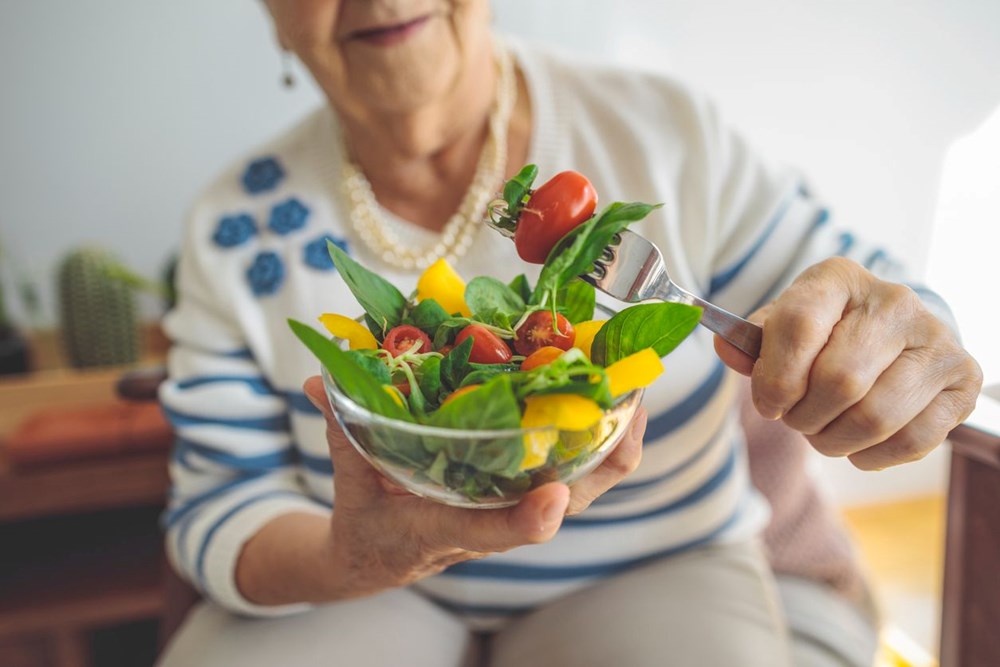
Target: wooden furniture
81, 555
970, 624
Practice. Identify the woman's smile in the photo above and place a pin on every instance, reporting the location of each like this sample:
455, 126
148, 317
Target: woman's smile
389, 35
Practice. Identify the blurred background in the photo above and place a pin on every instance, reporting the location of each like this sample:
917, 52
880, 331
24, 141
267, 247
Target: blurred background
115, 113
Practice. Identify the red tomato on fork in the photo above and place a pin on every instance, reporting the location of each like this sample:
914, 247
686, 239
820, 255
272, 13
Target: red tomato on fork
560, 204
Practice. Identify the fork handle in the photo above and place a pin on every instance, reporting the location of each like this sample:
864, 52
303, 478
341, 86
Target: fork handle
741, 333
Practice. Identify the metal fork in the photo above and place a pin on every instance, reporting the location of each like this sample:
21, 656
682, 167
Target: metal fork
631, 269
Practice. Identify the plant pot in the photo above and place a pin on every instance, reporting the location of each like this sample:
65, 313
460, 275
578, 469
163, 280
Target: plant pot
15, 353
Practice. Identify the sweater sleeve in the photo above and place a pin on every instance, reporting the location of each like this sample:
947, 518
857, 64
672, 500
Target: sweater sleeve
233, 464
769, 228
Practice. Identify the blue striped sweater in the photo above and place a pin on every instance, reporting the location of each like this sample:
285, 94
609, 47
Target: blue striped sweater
250, 447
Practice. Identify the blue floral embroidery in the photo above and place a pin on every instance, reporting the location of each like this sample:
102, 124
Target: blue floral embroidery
288, 216
266, 273
317, 256
234, 230
262, 175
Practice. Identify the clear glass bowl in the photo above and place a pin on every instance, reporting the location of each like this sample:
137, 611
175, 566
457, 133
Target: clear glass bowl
403, 452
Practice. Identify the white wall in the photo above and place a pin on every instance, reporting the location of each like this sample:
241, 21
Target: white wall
113, 113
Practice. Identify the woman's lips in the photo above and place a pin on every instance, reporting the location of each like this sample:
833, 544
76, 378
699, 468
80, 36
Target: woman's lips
389, 35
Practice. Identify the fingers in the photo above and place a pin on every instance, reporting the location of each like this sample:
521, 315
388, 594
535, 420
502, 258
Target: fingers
622, 461
535, 519
901, 393
355, 480
915, 440
798, 327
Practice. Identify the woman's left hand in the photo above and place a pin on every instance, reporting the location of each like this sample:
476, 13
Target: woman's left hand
860, 366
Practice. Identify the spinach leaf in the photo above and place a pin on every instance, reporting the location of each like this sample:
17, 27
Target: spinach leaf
428, 315
575, 253
372, 364
430, 381
482, 373
455, 365
352, 378
576, 301
521, 286
491, 406
488, 298
449, 329
383, 303
661, 326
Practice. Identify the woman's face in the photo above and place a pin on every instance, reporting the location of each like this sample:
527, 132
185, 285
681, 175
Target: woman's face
384, 55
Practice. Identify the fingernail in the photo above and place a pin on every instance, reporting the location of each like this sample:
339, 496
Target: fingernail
770, 412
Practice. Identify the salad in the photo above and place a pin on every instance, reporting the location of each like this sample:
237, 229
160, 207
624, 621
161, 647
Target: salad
489, 355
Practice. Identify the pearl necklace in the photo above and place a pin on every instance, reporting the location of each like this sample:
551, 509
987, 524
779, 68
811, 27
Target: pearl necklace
459, 231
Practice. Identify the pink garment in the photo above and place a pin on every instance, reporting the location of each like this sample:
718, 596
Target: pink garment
805, 537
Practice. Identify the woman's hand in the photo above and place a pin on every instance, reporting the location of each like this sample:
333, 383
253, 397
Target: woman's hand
859, 366
383, 536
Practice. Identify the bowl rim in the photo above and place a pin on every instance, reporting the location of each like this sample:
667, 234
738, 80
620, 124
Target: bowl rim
423, 429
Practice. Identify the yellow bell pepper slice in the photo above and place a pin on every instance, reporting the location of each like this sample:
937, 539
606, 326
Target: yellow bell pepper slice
443, 284
636, 370
392, 391
585, 333
355, 333
565, 412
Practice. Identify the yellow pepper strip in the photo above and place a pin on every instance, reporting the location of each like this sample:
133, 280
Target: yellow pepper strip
359, 337
565, 412
585, 332
636, 370
443, 284
392, 391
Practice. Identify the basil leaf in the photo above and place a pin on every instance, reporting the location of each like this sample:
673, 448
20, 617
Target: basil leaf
517, 188
428, 316
575, 253
383, 303
455, 365
576, 301
352, 378
491, 406
521, 286
661, 326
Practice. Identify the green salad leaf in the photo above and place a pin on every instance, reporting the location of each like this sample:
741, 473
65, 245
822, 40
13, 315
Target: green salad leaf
383, 303
428, 315
661, 326
522, 287
490, 299
516, 190
455, 365
430, 381
492, 406
351, 377
575, 253
577, 300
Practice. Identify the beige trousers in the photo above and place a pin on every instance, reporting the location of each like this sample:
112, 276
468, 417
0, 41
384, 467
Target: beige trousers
713, 606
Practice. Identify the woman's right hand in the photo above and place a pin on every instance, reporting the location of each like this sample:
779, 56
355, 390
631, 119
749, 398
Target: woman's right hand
382, 536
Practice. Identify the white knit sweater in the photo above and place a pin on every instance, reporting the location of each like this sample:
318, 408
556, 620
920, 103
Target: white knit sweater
251, 447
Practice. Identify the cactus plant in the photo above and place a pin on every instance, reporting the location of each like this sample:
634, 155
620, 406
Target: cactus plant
99, 312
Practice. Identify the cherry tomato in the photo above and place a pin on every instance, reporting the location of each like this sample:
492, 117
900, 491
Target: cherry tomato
541, 357
458, 392
537, 332
560, 204
487, 347
403, 387
402, 338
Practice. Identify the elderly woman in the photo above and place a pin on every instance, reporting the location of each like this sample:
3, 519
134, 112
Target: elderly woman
428, 113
